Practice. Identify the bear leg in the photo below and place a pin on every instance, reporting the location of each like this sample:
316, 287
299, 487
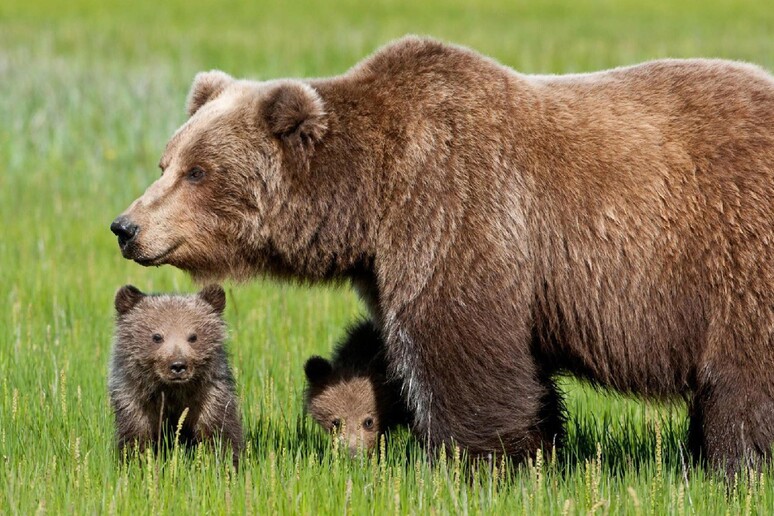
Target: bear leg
732, 418
516, 418
551, 418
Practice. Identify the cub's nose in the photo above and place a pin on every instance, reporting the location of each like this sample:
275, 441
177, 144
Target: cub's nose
177, 368
355, 449
124, 229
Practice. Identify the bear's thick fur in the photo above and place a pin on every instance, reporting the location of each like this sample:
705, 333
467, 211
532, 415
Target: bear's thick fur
502, 228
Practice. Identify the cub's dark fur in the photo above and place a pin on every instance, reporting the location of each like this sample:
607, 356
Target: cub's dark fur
352, 393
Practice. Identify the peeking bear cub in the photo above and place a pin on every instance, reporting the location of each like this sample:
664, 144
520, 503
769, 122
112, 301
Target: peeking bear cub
351, 395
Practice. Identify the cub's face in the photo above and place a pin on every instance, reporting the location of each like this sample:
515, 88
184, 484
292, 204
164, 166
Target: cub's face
168, 339
345, 407
221, 176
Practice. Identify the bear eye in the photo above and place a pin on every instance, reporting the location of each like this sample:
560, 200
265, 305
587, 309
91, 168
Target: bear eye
195, 175
157, 338
336, 423
368, 423
192, 338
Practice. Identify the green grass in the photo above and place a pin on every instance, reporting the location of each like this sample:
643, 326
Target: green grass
89, 93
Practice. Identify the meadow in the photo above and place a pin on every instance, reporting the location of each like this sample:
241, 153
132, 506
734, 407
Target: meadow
89, 93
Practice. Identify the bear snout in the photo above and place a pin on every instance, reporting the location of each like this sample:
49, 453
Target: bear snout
177, 368
358, 444
125, 230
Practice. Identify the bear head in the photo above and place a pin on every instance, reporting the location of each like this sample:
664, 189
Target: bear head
168, 340
347, 406
233, 189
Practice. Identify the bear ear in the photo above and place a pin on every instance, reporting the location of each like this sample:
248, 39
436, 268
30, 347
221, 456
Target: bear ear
206, 86
214, 296
126, 298
317, 370
296, 114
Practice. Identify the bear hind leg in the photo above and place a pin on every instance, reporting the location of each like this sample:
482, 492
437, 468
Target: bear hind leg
551, 418
732, 418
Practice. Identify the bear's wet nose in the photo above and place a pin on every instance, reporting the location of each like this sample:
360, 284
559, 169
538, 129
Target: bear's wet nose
124, 229
178, 367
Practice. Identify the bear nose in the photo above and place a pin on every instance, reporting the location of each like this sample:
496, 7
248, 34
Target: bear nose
178, 367
355, 449
355, 445
124, 229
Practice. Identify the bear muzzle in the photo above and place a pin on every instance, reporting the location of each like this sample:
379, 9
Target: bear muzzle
176, 371
132, 248
126, 231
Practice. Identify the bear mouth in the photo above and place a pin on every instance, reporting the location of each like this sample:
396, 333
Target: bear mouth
156, 260
176, 380
127, 249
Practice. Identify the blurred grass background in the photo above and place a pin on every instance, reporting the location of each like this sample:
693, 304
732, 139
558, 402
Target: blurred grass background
89, 93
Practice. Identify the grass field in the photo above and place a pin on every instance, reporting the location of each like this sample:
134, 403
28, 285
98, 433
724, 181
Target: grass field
89, 93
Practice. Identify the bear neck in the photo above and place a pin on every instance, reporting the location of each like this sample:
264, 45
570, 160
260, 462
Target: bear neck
403, 193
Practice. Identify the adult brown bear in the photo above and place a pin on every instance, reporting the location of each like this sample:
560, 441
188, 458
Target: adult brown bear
502, 228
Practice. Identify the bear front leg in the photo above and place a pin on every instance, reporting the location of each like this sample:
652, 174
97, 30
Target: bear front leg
475, 386
219, 417
134, 428
732, 417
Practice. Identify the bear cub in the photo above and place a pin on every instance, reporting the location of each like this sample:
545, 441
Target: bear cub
168, 356
351, 395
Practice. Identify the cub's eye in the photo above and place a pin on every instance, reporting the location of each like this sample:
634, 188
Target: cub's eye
336, 424
192, 338
157, 338
195, 175
368, 423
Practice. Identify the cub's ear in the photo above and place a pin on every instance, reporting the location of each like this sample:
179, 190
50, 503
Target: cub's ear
295, 113
206, 86
317, 370
215, 297
126, 297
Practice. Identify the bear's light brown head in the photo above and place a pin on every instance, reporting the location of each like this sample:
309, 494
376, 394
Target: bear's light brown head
346, 406
169, 340
234, 198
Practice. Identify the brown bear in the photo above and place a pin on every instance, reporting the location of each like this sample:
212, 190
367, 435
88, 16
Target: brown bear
502, 229
168, 356
351, 395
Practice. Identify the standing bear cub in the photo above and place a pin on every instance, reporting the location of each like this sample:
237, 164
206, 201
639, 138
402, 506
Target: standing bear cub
351, 395
168, 357
502, 229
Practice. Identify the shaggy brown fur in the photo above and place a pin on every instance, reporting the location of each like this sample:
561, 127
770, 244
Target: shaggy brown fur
502, 228
351, 394
168, 356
